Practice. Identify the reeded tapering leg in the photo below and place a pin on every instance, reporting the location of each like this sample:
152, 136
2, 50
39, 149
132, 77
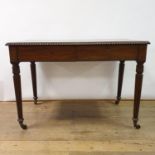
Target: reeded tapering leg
18, 93
120, 81
34, 81
137, 96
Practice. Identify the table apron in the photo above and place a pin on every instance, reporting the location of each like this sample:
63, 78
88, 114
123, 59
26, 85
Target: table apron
76, 53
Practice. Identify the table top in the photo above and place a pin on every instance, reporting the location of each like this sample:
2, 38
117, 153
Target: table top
105, 42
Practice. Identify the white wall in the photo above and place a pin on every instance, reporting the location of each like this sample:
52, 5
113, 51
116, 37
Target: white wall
22, 20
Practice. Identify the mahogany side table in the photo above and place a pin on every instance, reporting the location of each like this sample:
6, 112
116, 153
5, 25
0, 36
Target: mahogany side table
78, 51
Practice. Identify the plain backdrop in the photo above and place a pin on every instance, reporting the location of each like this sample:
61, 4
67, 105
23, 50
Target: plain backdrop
76, 20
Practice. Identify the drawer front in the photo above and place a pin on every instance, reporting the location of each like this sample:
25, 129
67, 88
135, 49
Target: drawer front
99, 53
46, 53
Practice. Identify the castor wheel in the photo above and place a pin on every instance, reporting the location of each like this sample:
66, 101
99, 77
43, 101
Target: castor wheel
117, 102
135, 121
23, 126
137, 126
35, 100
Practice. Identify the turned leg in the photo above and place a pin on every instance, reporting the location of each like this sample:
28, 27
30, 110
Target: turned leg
34, 81
137, 96
120, 81
18, 93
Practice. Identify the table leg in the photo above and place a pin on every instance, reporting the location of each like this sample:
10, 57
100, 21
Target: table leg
137, 96
18, 93
34, 81
120, 81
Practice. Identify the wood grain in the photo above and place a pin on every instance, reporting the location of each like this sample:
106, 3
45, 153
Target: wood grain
77, 128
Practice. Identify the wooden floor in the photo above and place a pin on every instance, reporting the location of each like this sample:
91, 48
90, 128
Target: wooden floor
77, 128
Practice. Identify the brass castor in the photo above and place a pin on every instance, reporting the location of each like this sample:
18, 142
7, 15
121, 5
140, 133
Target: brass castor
117, 102
35, 100
135, 121
22, 125
137, 126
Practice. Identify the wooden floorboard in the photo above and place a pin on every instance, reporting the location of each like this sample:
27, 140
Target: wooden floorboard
77, 128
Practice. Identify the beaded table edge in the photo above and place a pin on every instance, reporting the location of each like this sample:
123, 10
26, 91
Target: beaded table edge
77, 43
